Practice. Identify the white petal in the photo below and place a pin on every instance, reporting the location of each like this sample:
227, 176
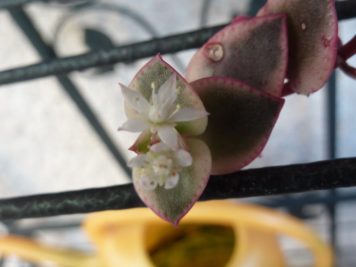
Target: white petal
159, 147
188, 114
169, 136
167, 93
134, 125
137, 161
135, 99
171, 181
184, 158
147, 183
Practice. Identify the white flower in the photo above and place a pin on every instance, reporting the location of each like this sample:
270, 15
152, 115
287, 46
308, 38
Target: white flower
160, 113
160, 166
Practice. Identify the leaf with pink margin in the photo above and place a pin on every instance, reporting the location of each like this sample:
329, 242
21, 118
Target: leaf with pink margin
156, 72
313, 39
240, 122
252, 50
173, 204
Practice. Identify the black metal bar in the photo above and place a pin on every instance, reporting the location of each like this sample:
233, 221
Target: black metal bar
18, 3
332, 150
331, 117
255, 182
254, 6
126, 53
47, 53
15, 3
305, 200
204, 13
345, 9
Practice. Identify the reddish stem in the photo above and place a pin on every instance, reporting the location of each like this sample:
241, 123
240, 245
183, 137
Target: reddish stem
349, 70
348, 50
344, 53
287, 90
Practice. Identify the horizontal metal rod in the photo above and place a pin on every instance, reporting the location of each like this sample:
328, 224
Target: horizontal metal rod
254, 182
299, 201
126, 53
15, 3
131, 52
18, 3
309, 199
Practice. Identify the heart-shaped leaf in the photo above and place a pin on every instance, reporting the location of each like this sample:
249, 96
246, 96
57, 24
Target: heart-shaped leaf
313, 36
153, 75
172, 204
240, 121
252, 50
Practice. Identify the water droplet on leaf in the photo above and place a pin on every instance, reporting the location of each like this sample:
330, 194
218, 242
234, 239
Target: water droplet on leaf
303, 26
215, 51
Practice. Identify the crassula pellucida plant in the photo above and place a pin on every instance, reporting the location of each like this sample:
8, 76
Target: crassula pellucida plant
219, 117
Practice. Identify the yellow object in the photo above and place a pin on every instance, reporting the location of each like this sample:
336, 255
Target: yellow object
213, 233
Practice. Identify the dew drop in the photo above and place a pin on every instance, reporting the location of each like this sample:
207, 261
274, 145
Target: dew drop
303, 26
215, 51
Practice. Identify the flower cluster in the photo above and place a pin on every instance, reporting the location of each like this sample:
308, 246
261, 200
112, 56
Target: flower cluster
160, 166
159, 114
240, 76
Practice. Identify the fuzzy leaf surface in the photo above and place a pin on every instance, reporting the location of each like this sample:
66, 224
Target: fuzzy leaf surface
313, 37
240, 122
254, 52
173, 204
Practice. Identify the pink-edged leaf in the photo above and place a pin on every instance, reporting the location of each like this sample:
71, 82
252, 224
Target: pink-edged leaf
154, 74
313, 37
240, 18
252, 50
173, 204
240, 122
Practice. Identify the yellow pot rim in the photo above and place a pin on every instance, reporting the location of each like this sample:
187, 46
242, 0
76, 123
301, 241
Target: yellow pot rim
221, 212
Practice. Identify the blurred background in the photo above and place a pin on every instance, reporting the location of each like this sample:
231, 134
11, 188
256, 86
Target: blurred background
49, 144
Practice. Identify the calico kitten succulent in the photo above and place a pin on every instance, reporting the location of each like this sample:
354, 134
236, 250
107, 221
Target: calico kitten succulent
171, 168
221, 119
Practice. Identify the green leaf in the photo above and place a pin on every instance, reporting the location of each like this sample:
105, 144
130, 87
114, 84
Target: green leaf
240, 121
173, 204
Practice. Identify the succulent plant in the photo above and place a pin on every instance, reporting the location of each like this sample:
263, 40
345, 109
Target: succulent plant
220, 118
172, 167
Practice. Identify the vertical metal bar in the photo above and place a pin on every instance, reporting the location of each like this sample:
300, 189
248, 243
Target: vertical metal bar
332, 151
23, 20
204, 13
254, 6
